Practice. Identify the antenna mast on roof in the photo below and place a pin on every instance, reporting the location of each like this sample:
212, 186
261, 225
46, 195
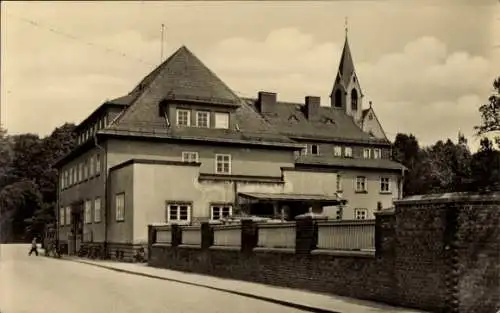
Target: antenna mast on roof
162, 40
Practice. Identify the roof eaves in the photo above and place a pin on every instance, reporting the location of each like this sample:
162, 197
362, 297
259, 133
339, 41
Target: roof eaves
167, 136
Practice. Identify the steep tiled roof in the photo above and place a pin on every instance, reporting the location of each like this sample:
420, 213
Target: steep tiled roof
332, 161
331, 124
184, 77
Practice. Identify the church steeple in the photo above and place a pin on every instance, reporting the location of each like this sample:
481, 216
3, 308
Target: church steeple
346, 92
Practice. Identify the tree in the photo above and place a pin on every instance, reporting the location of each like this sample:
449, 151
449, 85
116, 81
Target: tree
490, 113
485, 168
406, 151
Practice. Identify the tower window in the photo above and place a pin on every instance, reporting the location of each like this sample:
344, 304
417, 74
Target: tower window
354, 100
338, 98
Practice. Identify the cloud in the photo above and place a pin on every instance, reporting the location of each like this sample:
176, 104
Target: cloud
423, 88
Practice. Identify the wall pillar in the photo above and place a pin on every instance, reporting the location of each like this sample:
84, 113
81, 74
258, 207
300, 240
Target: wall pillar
207, 235
176, 235
249, 235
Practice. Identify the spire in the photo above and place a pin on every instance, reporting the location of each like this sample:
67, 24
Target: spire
346, 66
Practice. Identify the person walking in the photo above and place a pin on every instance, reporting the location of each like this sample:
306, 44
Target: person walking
34, 247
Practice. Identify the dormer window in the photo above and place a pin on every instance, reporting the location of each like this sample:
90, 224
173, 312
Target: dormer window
183, 117
337, 151
366, 153
203, 119
222, 120
348, 152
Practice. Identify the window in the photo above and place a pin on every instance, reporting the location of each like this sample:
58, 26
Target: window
203, 119
183, 118
360, 214
348, 152
61, 216
339, 182
80, 172
220, 211
385, 184
337, 151
338, 98
92, 168
86, 169
189, 157
97, 164
366, 153
68, 215
97, 210
70, 176
377, 153
354, 100
178, 213
222, 120
120, 207
222, 163
314, 149
88, 212
360, 184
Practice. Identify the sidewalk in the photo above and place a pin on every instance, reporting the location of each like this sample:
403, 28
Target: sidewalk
308, 301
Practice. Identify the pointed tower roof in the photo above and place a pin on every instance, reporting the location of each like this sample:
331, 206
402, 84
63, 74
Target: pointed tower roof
346, 66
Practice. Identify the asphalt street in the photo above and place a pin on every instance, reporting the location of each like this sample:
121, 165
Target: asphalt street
31, 284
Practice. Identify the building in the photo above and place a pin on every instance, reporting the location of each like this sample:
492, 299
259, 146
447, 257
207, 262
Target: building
181, 147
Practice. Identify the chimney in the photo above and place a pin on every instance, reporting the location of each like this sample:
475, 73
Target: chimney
266, 101
312, 107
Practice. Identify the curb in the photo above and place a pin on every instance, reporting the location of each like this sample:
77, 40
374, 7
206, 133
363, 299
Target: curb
239, 293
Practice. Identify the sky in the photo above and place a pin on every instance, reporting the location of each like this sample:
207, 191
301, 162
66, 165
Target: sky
426, 65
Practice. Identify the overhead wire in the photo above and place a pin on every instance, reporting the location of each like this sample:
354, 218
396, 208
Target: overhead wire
81, 40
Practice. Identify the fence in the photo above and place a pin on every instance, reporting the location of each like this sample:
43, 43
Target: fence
346, 235
330, 235
279, 235
227, 235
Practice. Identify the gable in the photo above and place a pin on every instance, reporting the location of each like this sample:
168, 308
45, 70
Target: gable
372, 125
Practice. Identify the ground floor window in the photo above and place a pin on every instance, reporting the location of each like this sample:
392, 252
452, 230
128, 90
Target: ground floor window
120, 207
88, 212
220, 211
178, 212
61, 216
68, 215
97, 210
360, 214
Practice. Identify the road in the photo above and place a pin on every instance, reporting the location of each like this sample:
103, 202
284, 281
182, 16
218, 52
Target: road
40, 284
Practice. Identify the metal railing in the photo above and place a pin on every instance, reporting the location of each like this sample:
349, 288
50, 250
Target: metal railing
346, 235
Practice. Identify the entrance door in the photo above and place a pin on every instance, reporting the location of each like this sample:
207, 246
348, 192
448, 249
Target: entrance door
76, 230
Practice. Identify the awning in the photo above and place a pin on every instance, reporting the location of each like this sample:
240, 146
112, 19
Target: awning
292, 197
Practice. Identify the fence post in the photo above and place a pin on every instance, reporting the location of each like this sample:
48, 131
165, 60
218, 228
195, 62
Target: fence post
249, 235
385, 234
176, 235
306, 237
151, 240
207, 235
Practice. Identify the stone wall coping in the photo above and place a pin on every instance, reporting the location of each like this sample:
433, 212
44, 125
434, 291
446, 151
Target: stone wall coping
189, 246
451, 197
157, 244
225, 227
230, 248
278, 250
368, 253
346, 222
276, 225
191, 227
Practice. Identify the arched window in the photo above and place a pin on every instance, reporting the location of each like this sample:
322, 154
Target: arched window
354, 100
338, 98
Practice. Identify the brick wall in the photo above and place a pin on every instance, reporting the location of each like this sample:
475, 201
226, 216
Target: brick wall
437, 253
